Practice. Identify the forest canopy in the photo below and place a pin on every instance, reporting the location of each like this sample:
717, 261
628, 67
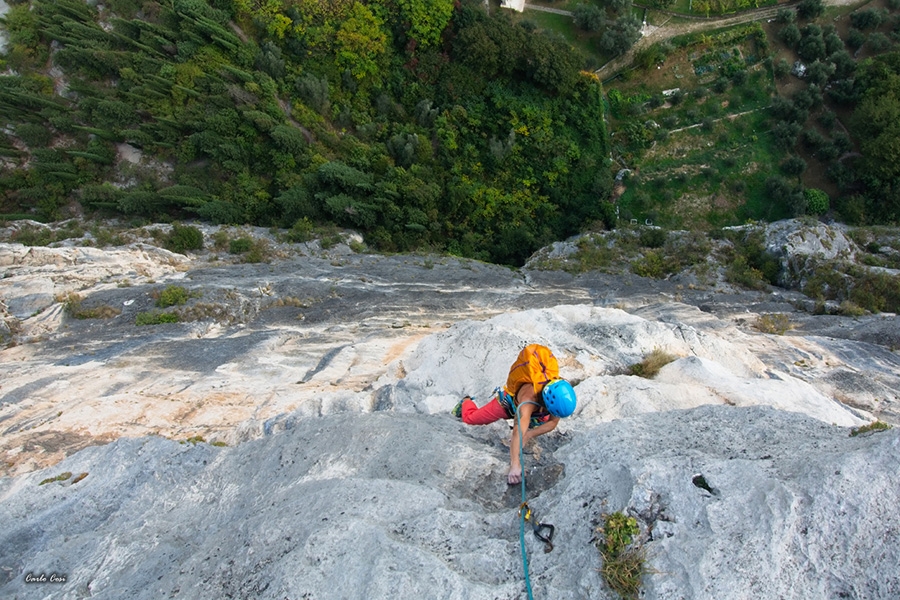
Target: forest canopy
423, 123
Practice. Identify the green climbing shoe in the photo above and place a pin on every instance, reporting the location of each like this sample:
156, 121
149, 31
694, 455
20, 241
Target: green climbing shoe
457, 410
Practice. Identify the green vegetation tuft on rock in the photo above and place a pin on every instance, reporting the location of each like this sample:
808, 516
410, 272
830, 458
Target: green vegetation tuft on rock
174, 295
624, 558
156, 318
870, 428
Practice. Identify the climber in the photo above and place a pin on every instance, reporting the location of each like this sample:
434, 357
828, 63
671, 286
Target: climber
535, 389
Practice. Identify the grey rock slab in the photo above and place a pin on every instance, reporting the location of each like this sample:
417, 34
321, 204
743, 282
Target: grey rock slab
416, 506
351, 507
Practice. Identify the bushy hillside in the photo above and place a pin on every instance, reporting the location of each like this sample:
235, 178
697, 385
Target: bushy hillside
420, 123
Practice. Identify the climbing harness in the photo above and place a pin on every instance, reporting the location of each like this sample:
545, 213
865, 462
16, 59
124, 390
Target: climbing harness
508, 404
526, 514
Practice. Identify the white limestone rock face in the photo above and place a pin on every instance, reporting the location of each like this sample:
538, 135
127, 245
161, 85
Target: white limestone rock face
393, 505
35, 277
797, 243
595, 346
796, 237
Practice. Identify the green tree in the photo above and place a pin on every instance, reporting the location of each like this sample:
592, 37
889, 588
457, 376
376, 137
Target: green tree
361, 43
817, 201
793, 165
812, 44
552, 65
785, 134
819, 72
869, 18
833, 43
790, 35
621, 35
620, 7
781, 68
855, 39
589, 17
810, 9
878, 42
314, 91
289, 139
876, 124
844, 65
786, 15
475, 47
427, 19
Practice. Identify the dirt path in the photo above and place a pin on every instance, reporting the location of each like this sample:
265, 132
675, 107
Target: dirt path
727, 117
556, 11
651, 35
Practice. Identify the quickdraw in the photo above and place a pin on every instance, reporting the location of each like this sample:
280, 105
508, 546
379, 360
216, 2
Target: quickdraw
537, 527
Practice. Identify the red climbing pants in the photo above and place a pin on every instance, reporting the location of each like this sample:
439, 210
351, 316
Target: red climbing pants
490, 412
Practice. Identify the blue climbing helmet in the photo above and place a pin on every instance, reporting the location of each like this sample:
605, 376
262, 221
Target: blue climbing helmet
559, 398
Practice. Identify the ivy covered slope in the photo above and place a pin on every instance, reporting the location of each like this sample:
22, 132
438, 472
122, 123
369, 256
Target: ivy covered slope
418, 122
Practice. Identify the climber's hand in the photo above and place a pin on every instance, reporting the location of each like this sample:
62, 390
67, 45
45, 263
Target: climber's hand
515, 475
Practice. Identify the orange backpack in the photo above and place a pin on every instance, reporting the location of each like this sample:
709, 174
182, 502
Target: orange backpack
535, 365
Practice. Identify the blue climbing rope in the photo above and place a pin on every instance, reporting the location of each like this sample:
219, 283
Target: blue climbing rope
523, 506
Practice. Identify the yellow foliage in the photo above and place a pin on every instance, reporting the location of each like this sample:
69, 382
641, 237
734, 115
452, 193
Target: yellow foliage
278, 25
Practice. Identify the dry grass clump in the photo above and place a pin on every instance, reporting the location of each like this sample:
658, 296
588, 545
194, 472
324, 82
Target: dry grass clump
851, 309
75, 309
652, 363
775, 323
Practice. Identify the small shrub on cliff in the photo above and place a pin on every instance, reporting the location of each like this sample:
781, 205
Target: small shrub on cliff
183, 238
302, 231
817, 201
653, 264
260, 252
866, 289
875, 291
749, 265
174, 295
592, 255
31, 235
241, 245
220, 240
103, 237
851, 309
653, 237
